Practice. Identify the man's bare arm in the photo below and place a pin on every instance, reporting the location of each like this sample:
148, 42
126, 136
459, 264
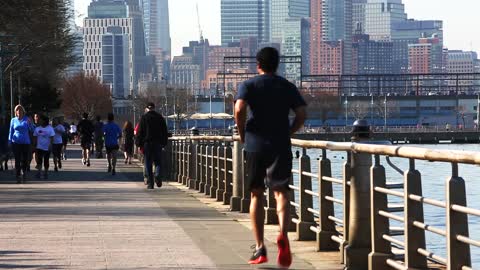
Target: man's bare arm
241, 117
300, 116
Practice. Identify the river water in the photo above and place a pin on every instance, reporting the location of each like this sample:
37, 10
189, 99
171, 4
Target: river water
434, 176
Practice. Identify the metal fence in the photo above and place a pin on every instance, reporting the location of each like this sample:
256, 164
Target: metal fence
361, 230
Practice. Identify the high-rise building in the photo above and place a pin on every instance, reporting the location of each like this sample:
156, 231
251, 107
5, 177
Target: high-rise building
331, 32
102, 15
409, 32
245, 18
358, 16
185, 73
371, 57
157, 34
461, 61
77, 66
292, 46
282, 10
115, 71
381, 15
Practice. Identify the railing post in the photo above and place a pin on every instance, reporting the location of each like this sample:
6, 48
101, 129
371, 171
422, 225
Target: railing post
325, 225
192, 168
214, 179
305, 200
198, 166
359, 231
227, 194
208, 171
186, 162
203, 161
271, 208
180, 161
457, 223
237, 164
175, 161
220, 173
347, 172
245, 202
166, 161
381, 248
414, 237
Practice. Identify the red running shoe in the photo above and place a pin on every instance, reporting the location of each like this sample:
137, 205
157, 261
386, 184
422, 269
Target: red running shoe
259, 255
284, 258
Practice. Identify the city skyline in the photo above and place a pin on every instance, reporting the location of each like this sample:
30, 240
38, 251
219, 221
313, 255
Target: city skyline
184, 26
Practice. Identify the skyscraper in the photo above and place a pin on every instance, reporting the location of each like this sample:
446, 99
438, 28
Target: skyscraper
409, 32
281, 10
381, 15
102, 16
244, 19
157, 33
331, 33
358, 16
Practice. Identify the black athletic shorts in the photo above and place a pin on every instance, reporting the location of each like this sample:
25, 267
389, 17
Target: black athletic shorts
86, 143
269, 168
110, 149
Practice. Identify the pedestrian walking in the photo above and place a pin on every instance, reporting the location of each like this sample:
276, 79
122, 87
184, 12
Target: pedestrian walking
73, 133
43, 137
85, 131
98, 137
65, 138
266, 134
57, 144
19, 139
112, 134
33, 156
128, 141
152, 136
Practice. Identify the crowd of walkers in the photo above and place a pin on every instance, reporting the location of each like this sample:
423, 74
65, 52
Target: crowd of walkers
35, 138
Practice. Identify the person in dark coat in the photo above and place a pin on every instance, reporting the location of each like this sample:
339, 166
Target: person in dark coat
152, 136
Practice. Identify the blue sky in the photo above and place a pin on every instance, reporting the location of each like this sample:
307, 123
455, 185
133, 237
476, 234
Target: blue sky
461, 17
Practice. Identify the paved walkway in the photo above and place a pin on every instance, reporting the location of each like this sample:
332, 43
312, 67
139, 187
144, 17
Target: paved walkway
84, 218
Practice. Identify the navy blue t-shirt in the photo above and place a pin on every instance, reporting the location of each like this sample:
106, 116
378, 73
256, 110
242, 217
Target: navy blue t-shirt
270, 99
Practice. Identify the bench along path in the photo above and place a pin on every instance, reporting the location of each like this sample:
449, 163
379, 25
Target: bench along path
84, 218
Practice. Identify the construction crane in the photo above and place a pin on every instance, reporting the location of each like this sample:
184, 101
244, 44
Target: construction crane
199, 25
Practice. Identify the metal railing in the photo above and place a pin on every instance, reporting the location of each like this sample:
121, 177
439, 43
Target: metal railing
361, 230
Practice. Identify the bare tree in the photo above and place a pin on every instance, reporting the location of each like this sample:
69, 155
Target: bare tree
85, 94
323, 104
358, 109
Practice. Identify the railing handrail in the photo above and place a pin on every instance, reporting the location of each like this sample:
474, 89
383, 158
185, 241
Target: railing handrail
455, 156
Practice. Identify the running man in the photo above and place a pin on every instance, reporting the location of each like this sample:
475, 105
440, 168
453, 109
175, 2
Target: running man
266, 135
112, 133
85, 130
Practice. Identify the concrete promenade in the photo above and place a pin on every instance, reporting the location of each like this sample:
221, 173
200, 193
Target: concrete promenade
84, 218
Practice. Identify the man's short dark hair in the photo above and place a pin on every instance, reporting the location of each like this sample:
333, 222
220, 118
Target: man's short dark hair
85, 115
268, 59
151, 105
110, 117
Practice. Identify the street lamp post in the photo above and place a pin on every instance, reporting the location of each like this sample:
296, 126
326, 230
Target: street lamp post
385, 124
371, 112
346, 111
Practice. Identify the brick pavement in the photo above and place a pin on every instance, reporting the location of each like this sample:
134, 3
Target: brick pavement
84, 218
